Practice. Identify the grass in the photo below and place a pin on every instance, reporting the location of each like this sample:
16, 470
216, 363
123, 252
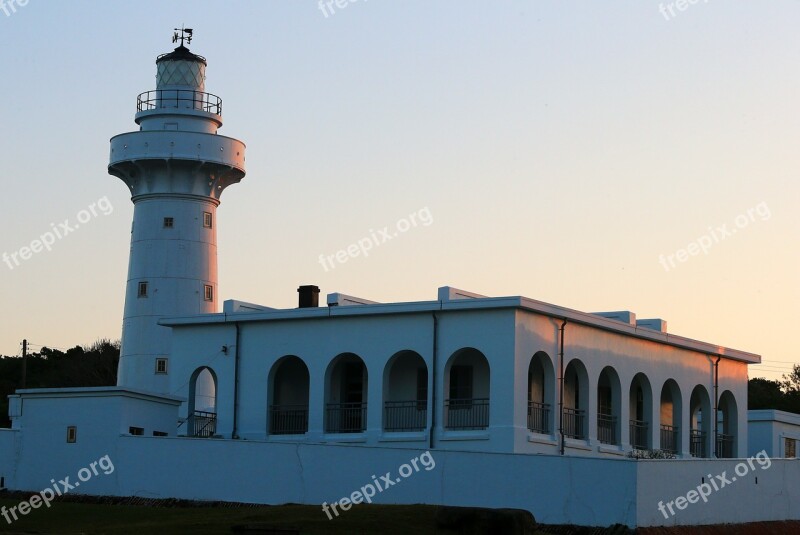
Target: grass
82, 518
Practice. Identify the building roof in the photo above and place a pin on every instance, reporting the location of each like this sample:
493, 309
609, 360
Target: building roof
456, 300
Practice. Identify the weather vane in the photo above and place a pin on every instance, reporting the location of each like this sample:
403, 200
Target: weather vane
185, 33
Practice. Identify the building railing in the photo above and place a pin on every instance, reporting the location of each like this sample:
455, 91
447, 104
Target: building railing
345, 417
669, 438
203, 424
697, 443
724, 446
405, 415
466, 413
607, 428
288, 419
572, 423
539, 417
179, 98
638, 434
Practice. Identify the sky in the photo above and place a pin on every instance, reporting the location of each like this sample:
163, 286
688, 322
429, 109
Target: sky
624, 155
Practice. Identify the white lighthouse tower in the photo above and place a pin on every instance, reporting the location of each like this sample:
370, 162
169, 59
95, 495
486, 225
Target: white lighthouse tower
176, 167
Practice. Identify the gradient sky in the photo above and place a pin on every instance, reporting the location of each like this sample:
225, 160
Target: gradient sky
560, 148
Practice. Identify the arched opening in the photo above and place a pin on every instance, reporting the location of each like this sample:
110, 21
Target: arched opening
203, 403
289, 389
671, 408
541, 394
608, 406
467, 385
576, 401
346, 395
699, 421
641, 411
727, 426
405, 393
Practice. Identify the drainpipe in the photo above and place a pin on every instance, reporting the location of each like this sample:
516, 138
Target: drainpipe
433, 380
235, 434
561, 387
716, 405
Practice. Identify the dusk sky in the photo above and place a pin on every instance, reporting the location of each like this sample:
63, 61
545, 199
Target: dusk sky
601, 156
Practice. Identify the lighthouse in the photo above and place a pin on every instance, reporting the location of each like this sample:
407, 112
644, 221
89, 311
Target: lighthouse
176, 167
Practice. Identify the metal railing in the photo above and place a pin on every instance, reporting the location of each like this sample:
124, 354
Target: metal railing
345, 417
697, 443
466, 413
405, 415
669, 438
638, 434
724, 446
572, 423
539, 417
607, 428
203, 424
179, 98
288, 419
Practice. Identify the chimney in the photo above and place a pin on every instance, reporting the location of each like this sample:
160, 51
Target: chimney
309, 296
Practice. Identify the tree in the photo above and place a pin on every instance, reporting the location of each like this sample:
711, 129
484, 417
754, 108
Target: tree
791, 381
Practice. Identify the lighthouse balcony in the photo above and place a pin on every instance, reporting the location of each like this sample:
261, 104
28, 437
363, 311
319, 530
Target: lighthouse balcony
179, 99
176, 145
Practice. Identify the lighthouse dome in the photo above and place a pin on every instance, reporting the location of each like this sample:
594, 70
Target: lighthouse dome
181, 68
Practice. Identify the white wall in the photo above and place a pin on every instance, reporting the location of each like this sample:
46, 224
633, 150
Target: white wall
775, 495
768, 429
596, 349
8, 449
558, 490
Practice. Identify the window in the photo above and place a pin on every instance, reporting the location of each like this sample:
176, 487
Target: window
207, 221
790, 449
461, 382
72, 434
169, 222
209, 292
142, 289
160, 434
161, 365
136, 431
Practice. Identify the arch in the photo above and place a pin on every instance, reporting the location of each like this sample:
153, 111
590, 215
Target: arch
466, 385
609, 395
541, 393
346, 386
727, 426
288, 396
670, 416
405, 392
576, 401
641, 412
203, 402
699, 421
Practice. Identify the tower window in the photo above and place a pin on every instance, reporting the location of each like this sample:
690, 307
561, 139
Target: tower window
207, 220
209, 292
161, 365
142, 289
72, 434
169, 222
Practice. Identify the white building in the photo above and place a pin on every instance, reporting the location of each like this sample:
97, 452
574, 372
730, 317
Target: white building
305, 405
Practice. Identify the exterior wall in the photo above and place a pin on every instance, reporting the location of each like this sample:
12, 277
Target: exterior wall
8, 456
556, 489
767, 491
375, 339
768, 429
595, 349
507, 338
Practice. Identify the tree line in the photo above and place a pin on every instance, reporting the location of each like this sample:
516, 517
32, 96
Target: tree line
92, 365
